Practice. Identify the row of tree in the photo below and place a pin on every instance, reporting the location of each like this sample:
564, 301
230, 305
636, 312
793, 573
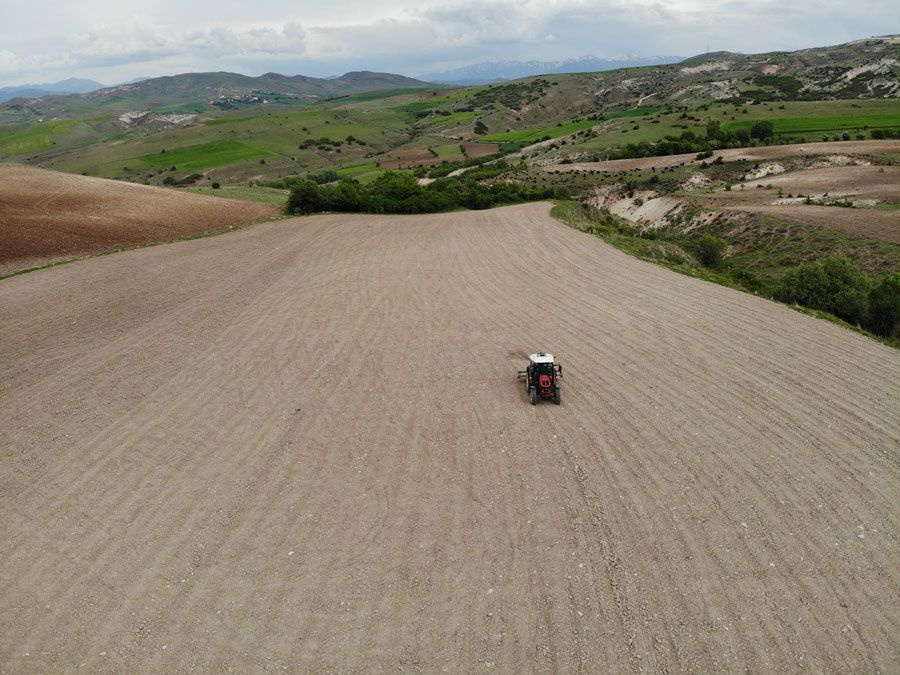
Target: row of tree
689, 142
838, 286
395, 192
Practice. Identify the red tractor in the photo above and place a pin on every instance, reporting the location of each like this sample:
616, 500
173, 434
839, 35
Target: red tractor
542, 378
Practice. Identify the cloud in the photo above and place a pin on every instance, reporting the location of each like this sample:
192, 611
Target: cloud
116, 45
119, 40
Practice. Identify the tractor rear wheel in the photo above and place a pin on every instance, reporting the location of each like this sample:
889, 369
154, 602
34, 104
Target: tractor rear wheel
534, 396
557, 398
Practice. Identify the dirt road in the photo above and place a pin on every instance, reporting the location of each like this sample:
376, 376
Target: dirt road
303, 445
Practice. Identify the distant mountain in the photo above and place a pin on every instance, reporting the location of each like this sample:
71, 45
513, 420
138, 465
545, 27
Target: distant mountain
70, 86
135, 80
499, 71
203, 90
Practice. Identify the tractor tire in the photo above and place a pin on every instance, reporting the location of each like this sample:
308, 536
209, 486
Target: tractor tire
534, 396
557, 397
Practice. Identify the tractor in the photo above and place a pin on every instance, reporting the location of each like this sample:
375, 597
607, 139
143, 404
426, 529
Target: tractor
542, 378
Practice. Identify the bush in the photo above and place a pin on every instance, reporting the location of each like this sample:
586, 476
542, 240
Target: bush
710, 250
169, 180
762, 130
305, 198
216, 186
884, 307
394, 192
835, 285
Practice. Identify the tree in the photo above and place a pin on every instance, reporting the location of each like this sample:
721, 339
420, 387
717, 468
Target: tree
884, 306
710, 250
762, 130
835, 285
305, 198
480, 127
714, 130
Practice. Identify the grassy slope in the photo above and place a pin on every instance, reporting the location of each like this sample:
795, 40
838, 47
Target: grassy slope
206, 155
257, 193
789, 118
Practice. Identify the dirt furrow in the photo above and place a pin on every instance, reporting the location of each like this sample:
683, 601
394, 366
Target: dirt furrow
303, 445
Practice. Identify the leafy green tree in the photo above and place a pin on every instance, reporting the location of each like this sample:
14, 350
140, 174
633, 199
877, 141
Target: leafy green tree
714, 130
305, 198
710, 250
762, 130
835, 285
884, 306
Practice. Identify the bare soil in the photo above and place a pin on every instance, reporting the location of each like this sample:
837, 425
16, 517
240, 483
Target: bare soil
879, 182
481, 149
408, 158
735, 154
884, 225
47, 215
303, 446
858, 184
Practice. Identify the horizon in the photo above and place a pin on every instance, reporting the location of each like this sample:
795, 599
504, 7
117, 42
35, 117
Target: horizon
118, 42
347, 72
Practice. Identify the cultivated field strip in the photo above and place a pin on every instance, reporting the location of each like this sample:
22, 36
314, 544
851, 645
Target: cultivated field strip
736, 154
302, 445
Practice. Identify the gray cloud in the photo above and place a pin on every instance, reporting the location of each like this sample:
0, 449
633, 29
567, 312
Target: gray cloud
113, 41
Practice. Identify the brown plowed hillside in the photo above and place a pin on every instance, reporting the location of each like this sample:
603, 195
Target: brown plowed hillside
303, 446
47, 215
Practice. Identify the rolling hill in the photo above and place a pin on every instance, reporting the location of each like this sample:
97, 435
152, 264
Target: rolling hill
235, 128
204, 91
69, 86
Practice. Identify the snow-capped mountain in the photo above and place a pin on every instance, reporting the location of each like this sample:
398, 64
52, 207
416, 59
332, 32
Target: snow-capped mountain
498, 71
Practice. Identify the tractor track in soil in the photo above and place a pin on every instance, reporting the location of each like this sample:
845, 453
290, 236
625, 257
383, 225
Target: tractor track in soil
304, 445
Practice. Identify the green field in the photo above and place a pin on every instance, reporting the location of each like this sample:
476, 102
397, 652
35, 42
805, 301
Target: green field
228, 120
379, 95
448, 151
36, 138
453, 118
357, 169
206, 155
564, 129
825, 123
248, 193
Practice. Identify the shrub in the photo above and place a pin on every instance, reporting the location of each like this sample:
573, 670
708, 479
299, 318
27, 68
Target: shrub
835, 285
762, 130
884, 307
305, 198
169, 180
710, 250
326, 176
394, 192
216, 186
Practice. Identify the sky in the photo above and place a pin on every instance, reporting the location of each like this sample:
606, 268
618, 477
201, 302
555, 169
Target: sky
114, 42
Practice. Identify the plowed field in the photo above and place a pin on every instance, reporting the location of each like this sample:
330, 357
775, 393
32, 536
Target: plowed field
303, 445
